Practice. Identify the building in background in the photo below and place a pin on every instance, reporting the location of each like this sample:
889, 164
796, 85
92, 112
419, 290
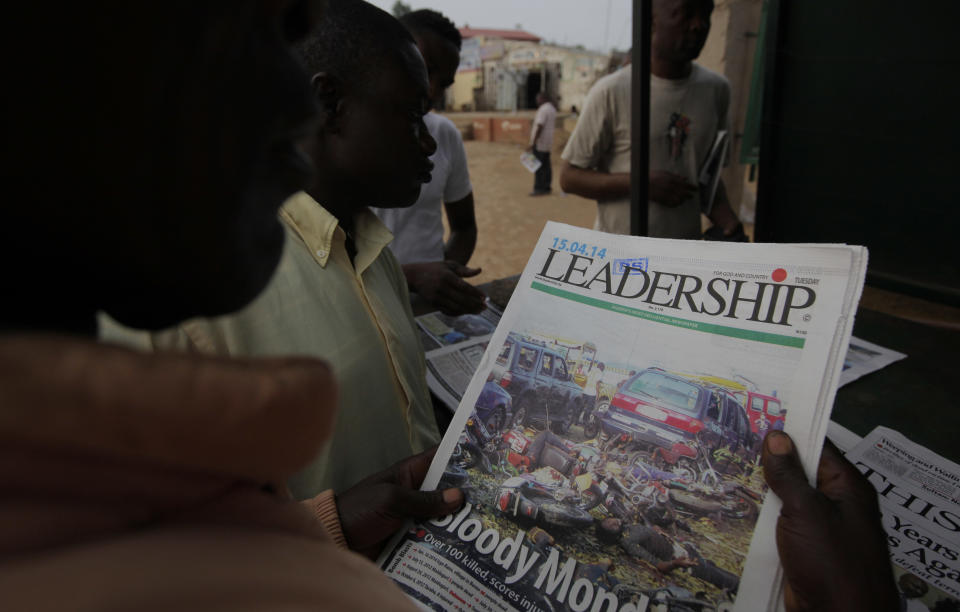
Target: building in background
503, 70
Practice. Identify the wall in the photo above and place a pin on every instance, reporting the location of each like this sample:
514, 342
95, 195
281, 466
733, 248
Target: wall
571, 73
513, 130
460, 95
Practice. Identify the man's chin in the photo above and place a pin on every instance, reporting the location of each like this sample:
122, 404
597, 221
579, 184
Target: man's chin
400, 197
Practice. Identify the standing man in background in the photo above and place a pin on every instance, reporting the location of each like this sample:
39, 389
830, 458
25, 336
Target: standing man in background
541, 141
435, 270
688, 107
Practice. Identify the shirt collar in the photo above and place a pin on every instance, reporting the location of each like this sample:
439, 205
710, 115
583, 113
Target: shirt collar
321, 231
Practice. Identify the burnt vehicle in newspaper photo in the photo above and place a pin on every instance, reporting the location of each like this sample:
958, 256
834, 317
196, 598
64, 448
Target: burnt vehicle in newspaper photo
536, 377
678, 421
668, 491
494, 407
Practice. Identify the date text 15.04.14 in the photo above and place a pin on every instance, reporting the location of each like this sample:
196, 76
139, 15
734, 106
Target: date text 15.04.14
581, 248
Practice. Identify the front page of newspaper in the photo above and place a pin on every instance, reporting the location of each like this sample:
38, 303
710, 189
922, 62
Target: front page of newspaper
919, 493
608, 443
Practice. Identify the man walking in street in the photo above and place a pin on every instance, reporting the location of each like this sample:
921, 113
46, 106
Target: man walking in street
541, 141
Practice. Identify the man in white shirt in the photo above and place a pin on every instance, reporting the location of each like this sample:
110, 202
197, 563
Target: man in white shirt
541, 141
688, 107
435, 270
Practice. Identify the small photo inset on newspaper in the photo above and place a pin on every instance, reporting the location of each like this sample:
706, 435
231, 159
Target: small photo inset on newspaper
917, 595
641, 482
447, 330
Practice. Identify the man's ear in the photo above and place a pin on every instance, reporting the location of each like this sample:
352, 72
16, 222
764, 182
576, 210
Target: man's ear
328, 92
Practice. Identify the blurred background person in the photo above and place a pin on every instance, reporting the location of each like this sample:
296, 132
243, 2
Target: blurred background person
434, 270
541, 143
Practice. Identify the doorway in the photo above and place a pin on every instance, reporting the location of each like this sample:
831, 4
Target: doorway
534, 84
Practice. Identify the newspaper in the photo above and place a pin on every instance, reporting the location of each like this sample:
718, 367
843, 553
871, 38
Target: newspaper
530, 161
865, 357
710, 175
842, 438
919, 493
638, 487
453, 348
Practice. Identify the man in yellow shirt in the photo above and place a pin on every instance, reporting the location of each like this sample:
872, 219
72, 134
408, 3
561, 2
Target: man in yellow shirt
338, 293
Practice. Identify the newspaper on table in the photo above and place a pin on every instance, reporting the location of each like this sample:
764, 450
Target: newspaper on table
453, 347
865, 357
638, 488
919, 494
842, 438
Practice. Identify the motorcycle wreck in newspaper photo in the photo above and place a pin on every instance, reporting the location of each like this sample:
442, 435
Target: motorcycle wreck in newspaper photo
651, 483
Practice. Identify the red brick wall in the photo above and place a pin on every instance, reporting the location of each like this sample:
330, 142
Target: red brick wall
511, 130
482, 129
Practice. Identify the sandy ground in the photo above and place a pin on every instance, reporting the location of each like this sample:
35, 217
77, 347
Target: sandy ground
508, 220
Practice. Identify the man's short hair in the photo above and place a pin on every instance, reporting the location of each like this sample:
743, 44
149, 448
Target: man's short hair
659, 5
427, 20
353, 41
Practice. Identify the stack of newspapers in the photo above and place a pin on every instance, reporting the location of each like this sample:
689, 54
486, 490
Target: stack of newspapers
608, 443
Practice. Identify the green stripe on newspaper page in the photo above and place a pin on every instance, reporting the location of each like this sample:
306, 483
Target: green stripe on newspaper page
710, 328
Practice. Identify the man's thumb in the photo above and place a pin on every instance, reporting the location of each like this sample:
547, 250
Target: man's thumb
784, 472
465, 272
428, 504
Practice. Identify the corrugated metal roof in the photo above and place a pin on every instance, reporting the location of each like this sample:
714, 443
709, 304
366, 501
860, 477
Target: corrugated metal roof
494, 33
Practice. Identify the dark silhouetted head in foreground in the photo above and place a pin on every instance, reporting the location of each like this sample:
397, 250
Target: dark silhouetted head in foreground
147, 150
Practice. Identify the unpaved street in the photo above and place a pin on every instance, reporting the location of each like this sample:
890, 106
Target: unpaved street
509, 220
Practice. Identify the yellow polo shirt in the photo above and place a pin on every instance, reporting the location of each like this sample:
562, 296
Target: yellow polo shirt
356, 317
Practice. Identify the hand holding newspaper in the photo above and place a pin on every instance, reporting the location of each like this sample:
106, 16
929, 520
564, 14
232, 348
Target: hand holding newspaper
608, 443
